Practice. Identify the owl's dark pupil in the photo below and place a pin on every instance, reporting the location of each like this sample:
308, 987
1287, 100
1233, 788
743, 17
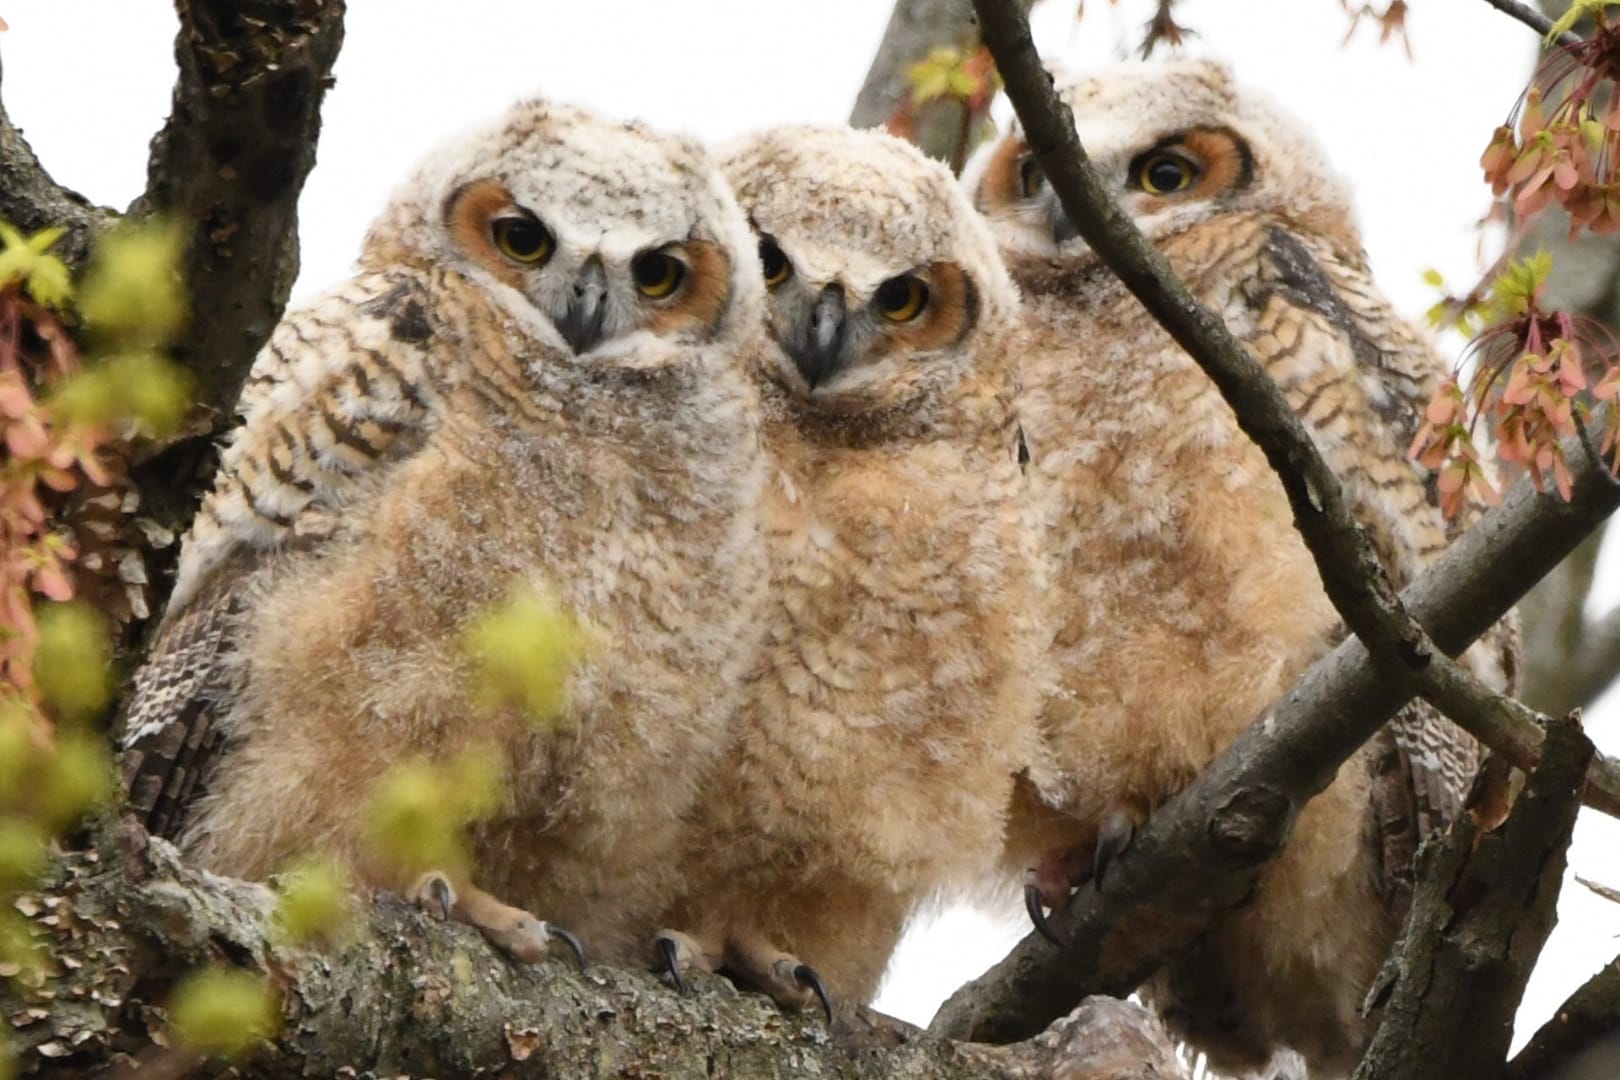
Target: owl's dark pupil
894, 294
524, 237
651, 270
1167, 175
772, 259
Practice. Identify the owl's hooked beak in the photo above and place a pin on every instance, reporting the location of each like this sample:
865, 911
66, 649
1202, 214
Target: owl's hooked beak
581, 327
1062, 228
817, 353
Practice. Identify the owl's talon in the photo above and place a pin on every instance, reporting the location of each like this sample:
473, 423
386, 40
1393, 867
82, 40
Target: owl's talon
669, 953
557, 933
511, 930
806, 976
433, 890
1035, 904
1113, 837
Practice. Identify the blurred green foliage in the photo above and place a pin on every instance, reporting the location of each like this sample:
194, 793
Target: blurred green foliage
224, 1012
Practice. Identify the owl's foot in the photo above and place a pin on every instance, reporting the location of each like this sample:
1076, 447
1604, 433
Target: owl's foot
1050, 884
788, 982
511, 930
678, 952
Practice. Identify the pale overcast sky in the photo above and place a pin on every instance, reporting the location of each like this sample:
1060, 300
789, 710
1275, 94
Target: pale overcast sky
89, 81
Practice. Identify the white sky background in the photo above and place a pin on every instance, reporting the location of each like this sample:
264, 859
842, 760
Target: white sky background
89, 81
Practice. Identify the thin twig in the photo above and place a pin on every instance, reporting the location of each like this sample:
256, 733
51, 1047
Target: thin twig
1534, 19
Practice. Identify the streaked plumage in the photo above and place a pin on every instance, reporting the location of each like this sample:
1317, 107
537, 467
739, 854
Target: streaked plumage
535, 381
1184, 602
893, 700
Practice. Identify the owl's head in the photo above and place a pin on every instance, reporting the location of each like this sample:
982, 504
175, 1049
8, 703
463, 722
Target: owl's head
1177, 144
880, 277
597, 237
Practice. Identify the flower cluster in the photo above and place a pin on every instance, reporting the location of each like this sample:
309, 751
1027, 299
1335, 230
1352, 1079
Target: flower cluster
1560, 145
1531, 370
1537, 369
46, 455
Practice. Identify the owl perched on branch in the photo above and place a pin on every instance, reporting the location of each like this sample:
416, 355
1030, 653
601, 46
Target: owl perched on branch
535, 383
1183, 602
894, 698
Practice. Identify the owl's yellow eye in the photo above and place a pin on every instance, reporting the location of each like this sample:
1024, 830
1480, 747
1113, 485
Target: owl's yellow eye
522, 239
657, 274
901, 299
1030, 177
775, 264
1165, 173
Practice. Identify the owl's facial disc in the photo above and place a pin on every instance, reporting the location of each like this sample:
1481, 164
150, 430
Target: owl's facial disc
852, 339
592, 292
1199, 164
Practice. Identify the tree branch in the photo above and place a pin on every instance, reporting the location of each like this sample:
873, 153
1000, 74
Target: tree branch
1587, 1025
413, 995
31, 200
230, 164
1482, 909
1200, 853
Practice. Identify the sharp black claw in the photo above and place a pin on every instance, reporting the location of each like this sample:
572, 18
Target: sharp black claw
440, 888
671, 953
805, 975
1037, 910
557, 933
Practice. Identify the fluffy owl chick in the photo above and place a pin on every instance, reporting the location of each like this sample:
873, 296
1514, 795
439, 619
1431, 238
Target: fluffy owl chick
536, 382
1184, 602
892, 703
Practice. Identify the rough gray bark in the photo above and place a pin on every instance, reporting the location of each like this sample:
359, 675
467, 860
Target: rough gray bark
413, 996
230, 164
1482, 909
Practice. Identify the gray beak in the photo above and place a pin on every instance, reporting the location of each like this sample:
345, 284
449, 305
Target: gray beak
582, 326
817, 354
1062, 228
